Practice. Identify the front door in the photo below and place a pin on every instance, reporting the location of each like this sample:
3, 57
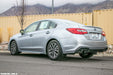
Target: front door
25, 41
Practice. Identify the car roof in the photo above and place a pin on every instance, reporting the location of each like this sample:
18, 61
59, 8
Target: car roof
57, 20
64, 21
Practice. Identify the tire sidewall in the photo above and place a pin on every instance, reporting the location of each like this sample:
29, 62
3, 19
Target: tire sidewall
16, 52
60, 54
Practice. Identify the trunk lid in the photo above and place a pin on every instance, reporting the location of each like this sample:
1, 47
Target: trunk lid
94, 33
92, 29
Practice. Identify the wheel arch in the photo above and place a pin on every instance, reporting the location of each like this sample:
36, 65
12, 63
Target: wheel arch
49, 41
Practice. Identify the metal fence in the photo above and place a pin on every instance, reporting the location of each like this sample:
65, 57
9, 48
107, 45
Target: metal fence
101, 18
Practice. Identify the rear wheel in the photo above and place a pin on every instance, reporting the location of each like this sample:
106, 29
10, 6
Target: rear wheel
54, 50
14, 48
86, 55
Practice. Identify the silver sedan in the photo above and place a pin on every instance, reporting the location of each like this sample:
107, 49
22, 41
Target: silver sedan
57, 38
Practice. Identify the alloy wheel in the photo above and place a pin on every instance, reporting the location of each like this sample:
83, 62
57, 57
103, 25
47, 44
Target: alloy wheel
54, 50
13, 48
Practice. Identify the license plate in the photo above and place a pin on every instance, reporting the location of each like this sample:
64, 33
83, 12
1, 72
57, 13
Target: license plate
95, 36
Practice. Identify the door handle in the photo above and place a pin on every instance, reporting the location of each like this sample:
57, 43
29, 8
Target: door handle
31, 35
47, 32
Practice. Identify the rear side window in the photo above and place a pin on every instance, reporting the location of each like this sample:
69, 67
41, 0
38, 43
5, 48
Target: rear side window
52, 25
43, 25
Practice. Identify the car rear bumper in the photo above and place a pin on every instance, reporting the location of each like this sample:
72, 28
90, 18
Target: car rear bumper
85, 48
75, 43
71, 47
91, 49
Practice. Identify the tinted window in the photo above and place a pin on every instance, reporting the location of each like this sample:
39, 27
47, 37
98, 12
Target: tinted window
52, 25
43, 25
32, 27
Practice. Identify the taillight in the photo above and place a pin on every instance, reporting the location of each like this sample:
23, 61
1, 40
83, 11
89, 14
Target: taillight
77, 31
103, 33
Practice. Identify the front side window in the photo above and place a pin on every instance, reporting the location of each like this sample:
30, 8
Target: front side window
32, 27
43, 25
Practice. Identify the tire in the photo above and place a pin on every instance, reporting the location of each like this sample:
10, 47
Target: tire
86, 55
54, 50
14, 48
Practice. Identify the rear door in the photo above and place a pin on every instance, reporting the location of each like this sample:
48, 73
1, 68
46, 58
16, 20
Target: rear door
42, 35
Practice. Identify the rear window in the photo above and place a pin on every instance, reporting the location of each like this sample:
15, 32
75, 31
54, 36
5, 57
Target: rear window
69, 22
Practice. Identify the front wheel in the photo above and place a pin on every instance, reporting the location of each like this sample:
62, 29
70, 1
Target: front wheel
14, 48
86, 55
54, 50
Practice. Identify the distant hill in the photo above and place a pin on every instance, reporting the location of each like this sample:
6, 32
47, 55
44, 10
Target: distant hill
67, 8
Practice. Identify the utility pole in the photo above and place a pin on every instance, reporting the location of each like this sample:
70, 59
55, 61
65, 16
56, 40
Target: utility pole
52, 6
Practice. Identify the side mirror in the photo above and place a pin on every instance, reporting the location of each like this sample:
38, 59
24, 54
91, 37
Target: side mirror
22, 32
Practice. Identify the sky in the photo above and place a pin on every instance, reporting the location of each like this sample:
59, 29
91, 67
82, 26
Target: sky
6, 4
